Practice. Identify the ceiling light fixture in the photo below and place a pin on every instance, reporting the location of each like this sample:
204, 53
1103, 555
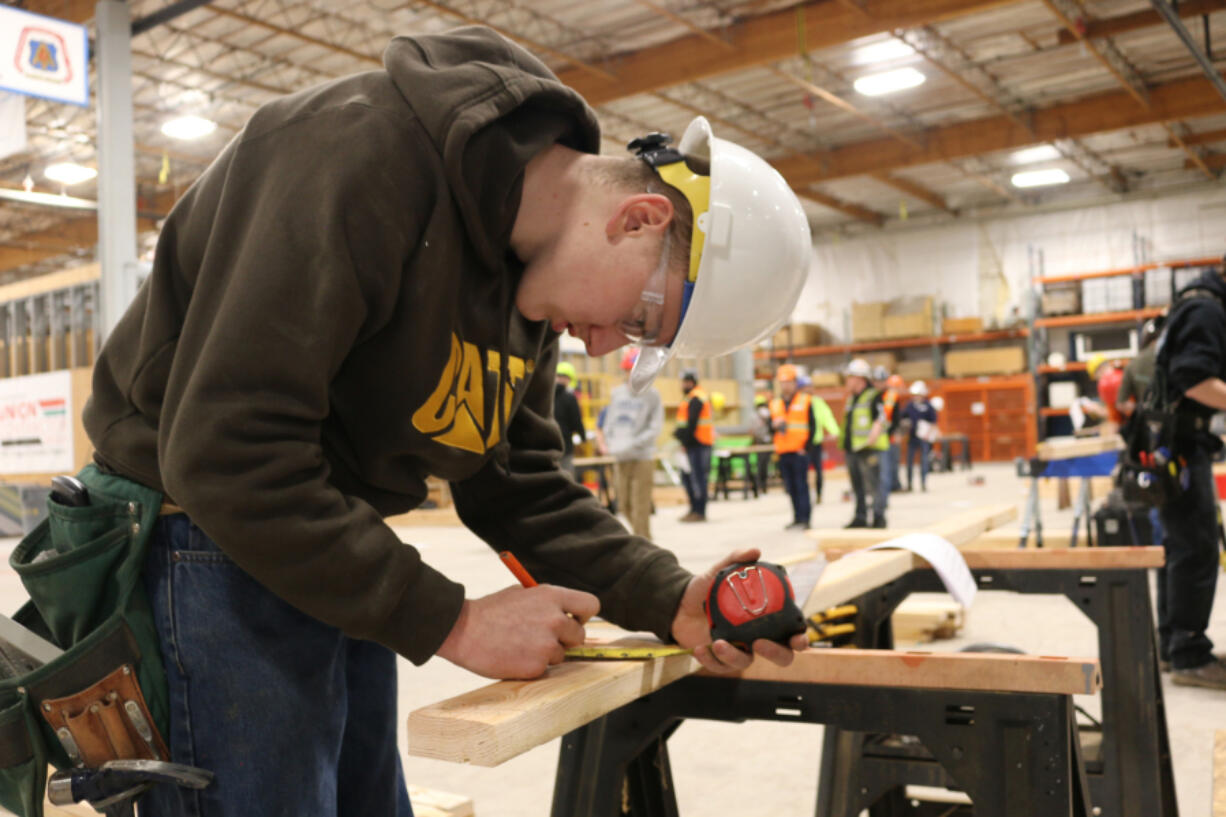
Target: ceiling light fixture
888, 82
1038, 153
189, 127
69, 173
1040, 178
884, 51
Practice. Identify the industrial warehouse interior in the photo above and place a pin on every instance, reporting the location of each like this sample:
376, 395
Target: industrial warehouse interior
641, 407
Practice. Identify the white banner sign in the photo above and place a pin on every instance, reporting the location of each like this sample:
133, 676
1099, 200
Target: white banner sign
12, 124
36, 424
43, 56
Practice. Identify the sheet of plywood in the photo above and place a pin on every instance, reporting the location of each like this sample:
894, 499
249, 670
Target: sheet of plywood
1066, 448
1219, 773
995, 672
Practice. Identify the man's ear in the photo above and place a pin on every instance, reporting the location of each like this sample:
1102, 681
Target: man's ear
640, 214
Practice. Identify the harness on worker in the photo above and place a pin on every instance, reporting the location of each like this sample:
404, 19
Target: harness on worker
1153, 468
82, 685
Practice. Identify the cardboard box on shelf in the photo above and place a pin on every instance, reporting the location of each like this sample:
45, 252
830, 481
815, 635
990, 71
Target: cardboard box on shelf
973, 362
908, 318
1061, 301
801, 334
867, 321
912, 370
887, 359
961, 326
1061, 394
826, 380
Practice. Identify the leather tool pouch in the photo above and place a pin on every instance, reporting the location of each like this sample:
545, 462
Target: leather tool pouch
105, 697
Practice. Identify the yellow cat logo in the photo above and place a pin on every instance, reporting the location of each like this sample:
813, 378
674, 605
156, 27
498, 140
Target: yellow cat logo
454, 414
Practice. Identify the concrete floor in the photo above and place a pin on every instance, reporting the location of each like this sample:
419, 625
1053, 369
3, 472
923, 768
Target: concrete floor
712, 761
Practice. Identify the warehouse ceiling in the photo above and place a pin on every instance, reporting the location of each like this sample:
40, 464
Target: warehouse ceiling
1104, 90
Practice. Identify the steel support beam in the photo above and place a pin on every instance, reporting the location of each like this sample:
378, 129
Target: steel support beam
1172, 19
116, 162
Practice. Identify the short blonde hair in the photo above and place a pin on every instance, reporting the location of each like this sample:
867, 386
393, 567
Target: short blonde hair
633, 175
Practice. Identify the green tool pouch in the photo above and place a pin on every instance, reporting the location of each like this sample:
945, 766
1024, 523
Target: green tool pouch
82, 568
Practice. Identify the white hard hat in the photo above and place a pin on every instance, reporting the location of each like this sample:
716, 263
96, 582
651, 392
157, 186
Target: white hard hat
750, 253
859, 368
938, 403
919, 388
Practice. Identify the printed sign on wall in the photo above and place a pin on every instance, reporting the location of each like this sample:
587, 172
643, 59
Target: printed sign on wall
36, 424
43, 56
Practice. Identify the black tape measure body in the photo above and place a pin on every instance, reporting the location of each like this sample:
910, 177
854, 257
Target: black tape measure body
753, 600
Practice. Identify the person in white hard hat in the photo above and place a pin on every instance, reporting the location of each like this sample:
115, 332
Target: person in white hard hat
921, 416
443, 218
864, 439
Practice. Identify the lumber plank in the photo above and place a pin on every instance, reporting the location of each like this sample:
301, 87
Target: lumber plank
1107, 558
927, 620
435, 803
1219, 773
497, 722
1008, 538
993, 672
959, 529
1066, 448
855, 575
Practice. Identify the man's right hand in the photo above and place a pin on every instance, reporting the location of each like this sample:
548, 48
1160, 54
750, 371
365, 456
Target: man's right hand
517, 632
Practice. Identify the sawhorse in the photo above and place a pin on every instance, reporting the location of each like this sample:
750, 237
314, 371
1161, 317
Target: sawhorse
1015, 753
1083, 467
1130, 775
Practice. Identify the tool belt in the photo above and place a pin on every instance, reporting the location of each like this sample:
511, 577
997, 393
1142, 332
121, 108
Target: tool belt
105, 697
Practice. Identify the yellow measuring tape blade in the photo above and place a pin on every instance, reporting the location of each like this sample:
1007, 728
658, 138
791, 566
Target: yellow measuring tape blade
615, 653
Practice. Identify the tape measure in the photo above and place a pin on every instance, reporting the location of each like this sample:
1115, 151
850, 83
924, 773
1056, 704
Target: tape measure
753, 600
612, 652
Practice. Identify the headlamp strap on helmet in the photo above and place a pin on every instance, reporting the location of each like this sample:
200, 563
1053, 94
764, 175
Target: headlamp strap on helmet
669, 164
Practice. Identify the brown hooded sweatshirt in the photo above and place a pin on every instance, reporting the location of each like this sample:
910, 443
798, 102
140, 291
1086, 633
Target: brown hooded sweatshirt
330, 320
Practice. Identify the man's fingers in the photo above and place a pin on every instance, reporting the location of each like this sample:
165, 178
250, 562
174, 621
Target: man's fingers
773, 652
732, 658
579, 604
736, 556
799, 642
571, 633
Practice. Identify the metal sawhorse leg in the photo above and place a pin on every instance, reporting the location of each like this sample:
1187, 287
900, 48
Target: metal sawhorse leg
1015, 754
1129, 773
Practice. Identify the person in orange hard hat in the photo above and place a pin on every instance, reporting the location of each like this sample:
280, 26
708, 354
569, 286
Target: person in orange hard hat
794, 427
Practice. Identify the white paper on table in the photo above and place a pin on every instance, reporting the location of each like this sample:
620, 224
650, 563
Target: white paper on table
804, 577
945, 560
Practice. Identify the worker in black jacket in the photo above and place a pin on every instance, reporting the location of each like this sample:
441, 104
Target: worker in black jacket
567, 414
1192, 355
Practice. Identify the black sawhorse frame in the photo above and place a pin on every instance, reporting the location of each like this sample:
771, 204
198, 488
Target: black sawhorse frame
1016, 754
1130, 775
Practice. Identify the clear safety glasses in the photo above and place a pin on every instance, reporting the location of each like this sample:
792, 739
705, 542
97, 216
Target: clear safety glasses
644, 324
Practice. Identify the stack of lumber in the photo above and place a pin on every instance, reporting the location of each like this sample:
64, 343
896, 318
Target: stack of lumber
922, 620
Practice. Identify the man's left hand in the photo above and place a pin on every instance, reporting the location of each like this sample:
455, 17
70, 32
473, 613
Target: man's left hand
690, 627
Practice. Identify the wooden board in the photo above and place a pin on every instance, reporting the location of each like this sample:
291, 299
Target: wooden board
959, 529
1108, 558
1007, 538
994, 672
927, 620
435, 803
493, 724
855, 575
1219, 773
1066, 448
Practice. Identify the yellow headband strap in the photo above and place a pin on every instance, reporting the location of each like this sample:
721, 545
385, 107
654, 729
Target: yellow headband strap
697, 190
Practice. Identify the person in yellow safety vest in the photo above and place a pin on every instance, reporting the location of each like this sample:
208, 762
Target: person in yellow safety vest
793, 423
824, 424
864, 440
696, 432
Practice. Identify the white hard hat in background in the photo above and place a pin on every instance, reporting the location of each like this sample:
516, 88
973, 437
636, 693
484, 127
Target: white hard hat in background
938, 403
859, 368
754, 259
919, 388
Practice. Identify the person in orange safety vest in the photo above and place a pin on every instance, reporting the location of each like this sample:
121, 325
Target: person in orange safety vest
696, 431
794, 427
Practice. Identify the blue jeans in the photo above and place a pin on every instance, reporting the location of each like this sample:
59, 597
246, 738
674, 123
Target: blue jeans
700, 473
795, 470
888, 468
291, 715
921, 450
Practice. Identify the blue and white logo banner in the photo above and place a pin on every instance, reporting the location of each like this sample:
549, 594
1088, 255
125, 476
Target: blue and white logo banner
43, 57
